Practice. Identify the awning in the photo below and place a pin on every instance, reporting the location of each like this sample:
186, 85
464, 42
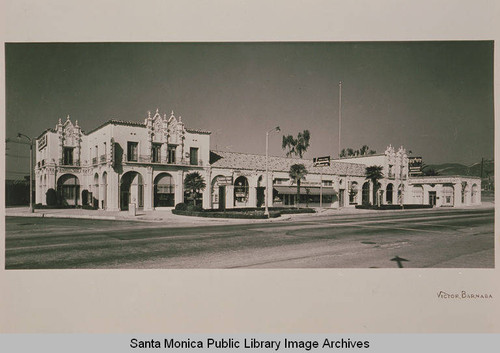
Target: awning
292, 190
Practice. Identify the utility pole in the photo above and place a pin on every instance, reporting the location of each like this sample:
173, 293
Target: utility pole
340, 113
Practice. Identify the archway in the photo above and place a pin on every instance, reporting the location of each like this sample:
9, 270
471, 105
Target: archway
365, 197
219, 192
353, 193
104, 190
241, 191
388, 193
68, 190
448, 193
474, 194
164, 190
95, 194
131, 190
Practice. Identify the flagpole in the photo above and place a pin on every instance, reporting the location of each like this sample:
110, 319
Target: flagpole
340, 113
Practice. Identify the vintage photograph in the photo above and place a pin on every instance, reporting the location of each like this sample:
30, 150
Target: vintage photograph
249, 155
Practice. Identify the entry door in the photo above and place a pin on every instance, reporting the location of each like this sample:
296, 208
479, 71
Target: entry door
125, 196
432, 198
222, 197
341, 197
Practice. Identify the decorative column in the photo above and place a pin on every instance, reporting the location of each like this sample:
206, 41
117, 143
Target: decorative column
179, 187
149, 190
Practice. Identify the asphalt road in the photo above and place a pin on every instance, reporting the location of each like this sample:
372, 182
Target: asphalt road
426, 238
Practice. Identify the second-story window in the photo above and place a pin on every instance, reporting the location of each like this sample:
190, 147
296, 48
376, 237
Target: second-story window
193, 156
156, 153
68, 156
171, 154
132, 151
327, 182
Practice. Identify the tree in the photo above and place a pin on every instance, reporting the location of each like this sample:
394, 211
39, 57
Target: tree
297, 173
296, 146
194, 183
374, 174
350, 152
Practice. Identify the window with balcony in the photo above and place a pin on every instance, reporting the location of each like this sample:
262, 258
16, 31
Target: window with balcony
132, 151
156, 153
68, 156
193, 156
171, 154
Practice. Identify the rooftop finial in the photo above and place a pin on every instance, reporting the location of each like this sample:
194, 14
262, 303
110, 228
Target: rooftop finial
180, 119
172, 113
60, 121
67, 118
157, 110
149, 114
76, 123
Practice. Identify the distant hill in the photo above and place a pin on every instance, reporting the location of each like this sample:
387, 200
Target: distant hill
460, 169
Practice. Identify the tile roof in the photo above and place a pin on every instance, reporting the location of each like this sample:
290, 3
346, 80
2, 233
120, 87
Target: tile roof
236, 160
198, 131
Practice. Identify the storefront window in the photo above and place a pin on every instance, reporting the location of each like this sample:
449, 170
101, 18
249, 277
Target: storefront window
241, 189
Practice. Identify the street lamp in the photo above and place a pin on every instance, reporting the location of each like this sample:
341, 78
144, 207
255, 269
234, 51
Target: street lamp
19, 135
277, 129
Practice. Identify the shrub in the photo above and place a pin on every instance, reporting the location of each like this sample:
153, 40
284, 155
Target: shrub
181, 207
194, 208
51, 197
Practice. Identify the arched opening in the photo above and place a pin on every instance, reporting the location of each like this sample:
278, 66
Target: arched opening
104, 190
365, 197
474, 194
261, 191
448, 194
131, 190
164, 191
388, 193
95, 194
353, 193
219, 192
68, 190
241, 191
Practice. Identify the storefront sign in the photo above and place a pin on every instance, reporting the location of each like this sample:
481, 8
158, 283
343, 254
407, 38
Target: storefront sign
415, 165
225, 180
321, 161
42, 142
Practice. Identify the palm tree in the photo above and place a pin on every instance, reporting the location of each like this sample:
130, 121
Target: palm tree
296, 146
297, 173
194, 183
374, 174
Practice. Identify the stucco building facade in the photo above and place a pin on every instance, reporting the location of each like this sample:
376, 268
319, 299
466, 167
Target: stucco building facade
143, 164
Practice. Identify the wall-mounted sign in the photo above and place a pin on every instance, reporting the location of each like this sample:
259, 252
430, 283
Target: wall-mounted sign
42, 142
321, 161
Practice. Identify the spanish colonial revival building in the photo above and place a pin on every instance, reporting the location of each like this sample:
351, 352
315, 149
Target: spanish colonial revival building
143, 164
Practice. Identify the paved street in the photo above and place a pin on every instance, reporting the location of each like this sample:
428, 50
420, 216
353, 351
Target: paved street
445, 238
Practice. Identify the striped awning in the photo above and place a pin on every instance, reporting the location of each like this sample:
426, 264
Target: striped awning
304, 190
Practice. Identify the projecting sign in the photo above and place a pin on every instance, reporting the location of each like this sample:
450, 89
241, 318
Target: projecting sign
321, 161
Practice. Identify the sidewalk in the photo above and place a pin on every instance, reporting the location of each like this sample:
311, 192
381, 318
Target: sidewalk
167, 217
